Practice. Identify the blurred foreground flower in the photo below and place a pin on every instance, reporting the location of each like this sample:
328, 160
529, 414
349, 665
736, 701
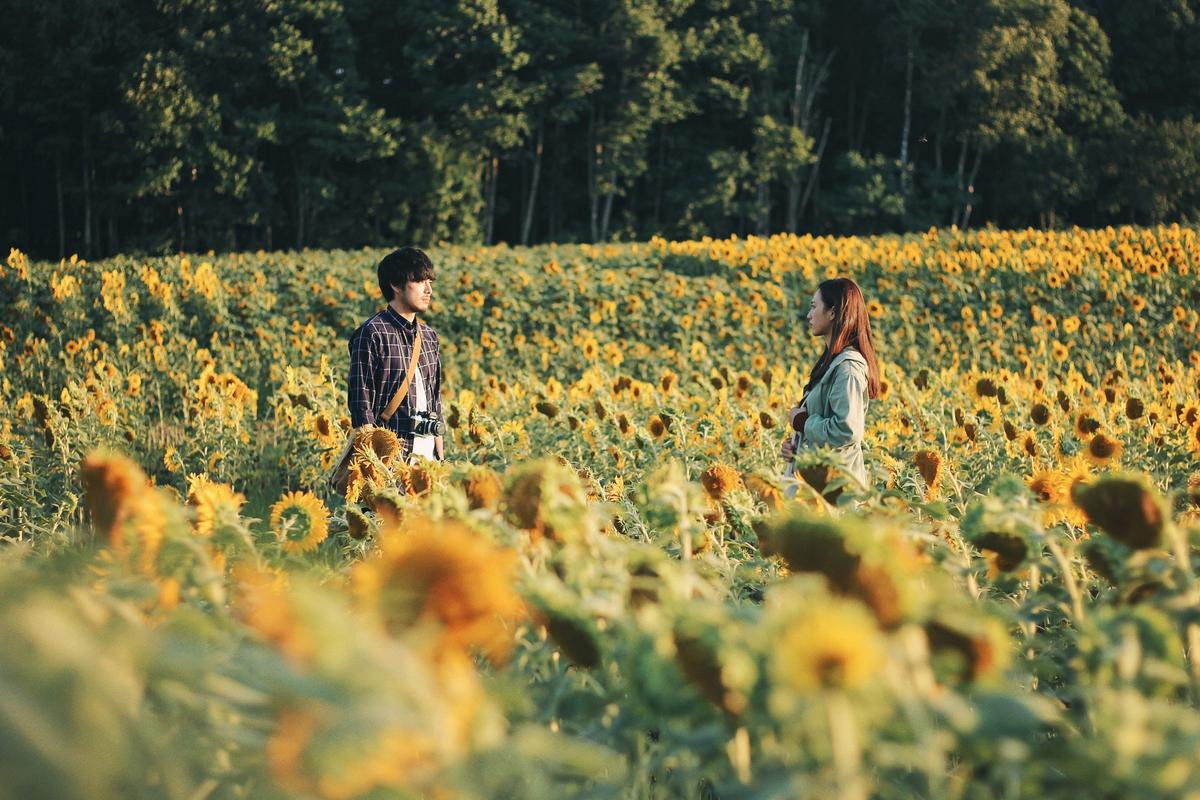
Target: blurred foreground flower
1125, 507
127, 511
445, 573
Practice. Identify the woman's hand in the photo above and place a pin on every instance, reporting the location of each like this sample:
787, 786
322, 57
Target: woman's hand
787, 450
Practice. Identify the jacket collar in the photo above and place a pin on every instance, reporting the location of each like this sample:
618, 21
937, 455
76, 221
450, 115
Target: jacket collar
848, 354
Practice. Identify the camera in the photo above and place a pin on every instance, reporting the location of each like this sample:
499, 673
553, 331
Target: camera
427, 423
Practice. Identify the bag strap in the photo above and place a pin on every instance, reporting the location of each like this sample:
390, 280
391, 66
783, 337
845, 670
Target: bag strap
412, 368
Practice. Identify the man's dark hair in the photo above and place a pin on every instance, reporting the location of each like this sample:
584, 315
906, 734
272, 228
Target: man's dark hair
401, 267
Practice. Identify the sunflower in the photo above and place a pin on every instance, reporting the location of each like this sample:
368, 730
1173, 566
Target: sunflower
325, 428
1126, 507
1103, 449
719, 479
1193, 489
656, 427
446, 574
985, 387
212, 503
1193, 438
300, 520
929, 464
1040, 413
1087, 422
384, 443
263, 603
357, 522
835, 646
483, 488
127, 512
764, 491
1049, 486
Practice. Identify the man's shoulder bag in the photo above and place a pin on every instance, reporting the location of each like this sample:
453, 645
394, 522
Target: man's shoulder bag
340, 476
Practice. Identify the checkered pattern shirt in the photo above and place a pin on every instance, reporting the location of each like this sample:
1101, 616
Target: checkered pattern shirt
380, 350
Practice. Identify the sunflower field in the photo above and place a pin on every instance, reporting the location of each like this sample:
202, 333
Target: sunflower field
604, 591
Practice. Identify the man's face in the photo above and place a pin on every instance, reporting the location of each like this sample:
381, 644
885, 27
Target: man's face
416, 295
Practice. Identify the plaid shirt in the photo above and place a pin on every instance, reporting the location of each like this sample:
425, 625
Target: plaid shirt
380, 350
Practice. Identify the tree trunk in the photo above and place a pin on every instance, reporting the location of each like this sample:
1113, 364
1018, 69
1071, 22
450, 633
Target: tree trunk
658, 177
595, 162
553, 206
906, 128
816, 167
970, 196
608, 203
493, 176
794, 186
301, 204
805, 88
58, 196
87, 196
937, 141
959, 200
527, 222
763, 209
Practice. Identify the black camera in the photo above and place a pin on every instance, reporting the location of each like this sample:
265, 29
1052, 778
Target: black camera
427, 423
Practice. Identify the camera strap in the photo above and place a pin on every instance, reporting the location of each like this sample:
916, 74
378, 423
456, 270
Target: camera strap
408, 377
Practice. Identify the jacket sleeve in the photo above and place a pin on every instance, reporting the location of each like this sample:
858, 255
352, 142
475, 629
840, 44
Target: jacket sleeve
847, 405
362, 379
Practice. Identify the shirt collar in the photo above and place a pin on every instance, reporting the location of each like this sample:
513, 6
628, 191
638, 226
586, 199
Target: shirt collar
395, 317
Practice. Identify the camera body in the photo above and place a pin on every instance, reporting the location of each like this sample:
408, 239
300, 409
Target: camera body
427, 423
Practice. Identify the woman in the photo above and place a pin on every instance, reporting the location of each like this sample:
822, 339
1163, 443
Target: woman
844, 379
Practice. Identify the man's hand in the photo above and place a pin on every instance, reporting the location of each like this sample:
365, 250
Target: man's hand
788, 450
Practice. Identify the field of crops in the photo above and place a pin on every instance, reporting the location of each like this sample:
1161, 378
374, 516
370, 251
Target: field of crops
603, 592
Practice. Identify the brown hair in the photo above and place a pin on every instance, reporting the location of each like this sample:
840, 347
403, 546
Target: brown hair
851, 328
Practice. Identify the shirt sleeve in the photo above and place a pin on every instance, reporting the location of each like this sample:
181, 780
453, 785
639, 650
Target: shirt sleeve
435, 393
362, 379
847, 405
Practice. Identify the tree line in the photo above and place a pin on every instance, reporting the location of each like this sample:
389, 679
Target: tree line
162, 125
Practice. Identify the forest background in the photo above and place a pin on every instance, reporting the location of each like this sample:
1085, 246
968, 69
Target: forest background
165, 125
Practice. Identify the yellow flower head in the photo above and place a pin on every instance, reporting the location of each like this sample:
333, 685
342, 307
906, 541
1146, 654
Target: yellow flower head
126, 510
447, 574
832, 645
300, 520
719, 480
1103, 449
211, 503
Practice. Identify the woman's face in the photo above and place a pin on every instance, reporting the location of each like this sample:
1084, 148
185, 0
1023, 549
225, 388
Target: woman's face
820, 316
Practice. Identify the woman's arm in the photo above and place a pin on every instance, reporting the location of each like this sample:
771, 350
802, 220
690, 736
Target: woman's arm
846, 422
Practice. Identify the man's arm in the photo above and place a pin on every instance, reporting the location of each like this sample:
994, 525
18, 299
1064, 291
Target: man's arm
435, 403
362, 379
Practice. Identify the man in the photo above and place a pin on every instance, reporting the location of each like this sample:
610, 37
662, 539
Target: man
381, 350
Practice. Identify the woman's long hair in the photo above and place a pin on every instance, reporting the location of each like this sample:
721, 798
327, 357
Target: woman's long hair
851, 328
